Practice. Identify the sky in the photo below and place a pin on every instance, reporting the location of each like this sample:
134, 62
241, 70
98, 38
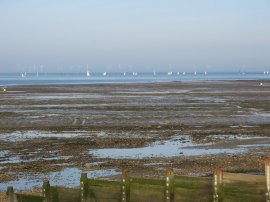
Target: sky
134, 35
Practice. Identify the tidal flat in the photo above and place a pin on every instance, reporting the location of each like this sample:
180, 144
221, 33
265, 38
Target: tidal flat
195, 127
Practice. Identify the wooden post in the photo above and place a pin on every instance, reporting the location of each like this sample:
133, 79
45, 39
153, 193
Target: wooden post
46, 190
84, 187
125, 186
267, 176
10, 194
169, 190
218, 193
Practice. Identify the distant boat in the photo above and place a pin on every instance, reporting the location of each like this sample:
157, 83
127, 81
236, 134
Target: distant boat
154, 73
87, 72
104, 74
184, 73
135, 73
195, 73
205, 73
267, 72
178, 73
170, 73
23, 75
124, 73
264, 72
37, 74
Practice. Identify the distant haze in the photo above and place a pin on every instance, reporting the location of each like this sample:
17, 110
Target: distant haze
134, 35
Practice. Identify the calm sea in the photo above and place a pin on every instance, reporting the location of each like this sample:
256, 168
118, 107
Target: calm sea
81, 78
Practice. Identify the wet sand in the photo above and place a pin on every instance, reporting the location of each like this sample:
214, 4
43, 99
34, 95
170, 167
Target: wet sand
45, 129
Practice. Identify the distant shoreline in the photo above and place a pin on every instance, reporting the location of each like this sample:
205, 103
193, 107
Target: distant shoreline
120, 78
98, 82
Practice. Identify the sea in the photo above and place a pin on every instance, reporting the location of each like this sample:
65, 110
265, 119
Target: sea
8, 79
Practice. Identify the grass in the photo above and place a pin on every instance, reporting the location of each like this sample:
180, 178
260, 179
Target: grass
94, 182
240, 191
29, 198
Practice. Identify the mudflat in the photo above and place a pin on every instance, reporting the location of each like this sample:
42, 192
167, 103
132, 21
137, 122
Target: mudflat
194, 127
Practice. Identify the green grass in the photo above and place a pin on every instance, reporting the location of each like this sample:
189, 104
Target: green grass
94, 182
193, 182
54, 194
244, 192
29, 198
144, 181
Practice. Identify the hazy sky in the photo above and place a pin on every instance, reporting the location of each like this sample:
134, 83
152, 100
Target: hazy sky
141, 35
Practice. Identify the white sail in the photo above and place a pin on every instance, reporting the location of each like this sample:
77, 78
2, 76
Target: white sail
87, 72
23, 75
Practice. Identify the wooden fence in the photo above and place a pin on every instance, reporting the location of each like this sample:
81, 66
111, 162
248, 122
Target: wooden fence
222, 186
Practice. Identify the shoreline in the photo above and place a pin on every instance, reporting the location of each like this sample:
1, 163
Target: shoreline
118, 78
102, 82
265, 82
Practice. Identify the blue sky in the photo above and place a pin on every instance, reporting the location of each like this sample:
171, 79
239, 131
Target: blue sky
141, 35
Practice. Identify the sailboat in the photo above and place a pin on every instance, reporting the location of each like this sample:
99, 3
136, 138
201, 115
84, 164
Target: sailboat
104, 74
135, 73
154, 73
184, 73
87, 72
124, 73
195, 73
169, 73
23, 75
178, 73
205, 73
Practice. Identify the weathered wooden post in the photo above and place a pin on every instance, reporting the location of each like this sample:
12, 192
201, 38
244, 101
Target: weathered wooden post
218, 189
267, 176
125, 186
84, 187
46, 190
10, 194
169, 190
